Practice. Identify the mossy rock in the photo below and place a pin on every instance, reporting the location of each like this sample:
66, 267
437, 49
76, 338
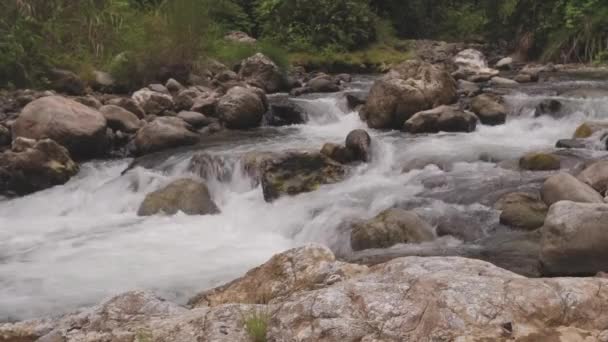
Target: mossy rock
186, 195
589, 128
540, 161
522, 210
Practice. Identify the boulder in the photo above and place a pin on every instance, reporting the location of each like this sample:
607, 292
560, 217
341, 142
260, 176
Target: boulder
240, 37
549, 107
120, 119
338, 152
293, 173
81, 129
441, 119
522, 210
472, 62
32, 165
565, 187
571, 143
468, 89
323, 84
354, 99
242, 108
260, 71
128, 104
195, 119
407, 89
103, 81
502, 81
596, 176
526, 78
589, 128
173, 86
89, 101
539, 161
159, 88
359, 143
575, 239
284, 112
505, 63
489, 109
185, 195
153, 102
391, 227
163, 133
343, 78
65, 81
206, 105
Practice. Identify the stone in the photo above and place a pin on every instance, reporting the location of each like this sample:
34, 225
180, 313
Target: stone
103, 81
441, 119
185, 195
466, 88
195, 119
505, 63
260, 71
120, 119
571, 143
323, 84
81, 129
284, 112
240, 37
472, 62
391, 227
89, 101
589, 128
153, 102
32, 166
409, 88
502, 81
293, 173
242, 108
526, 78
565, 187
359, 143
5, 136
173, 86
129, 105
354, 99
489, 109
539, 161
159, 88
549, 107
522, 210
65, 81
596, 176
575, 239
164, 133
338, 152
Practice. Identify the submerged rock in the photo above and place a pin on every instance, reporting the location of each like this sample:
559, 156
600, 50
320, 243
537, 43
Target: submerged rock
294, 172
540, 161
407, 89
81, 129
186, 195
441, 119
32, 165
489, 109
389, 228
522, 210
163, 133
575, 239
242, 108
565, 187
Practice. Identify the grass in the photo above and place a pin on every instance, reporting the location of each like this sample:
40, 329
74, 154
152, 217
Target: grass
256, 324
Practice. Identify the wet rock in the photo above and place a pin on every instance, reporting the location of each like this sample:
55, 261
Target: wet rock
343, 78
526, 78
338, 152
407, 89
469, 89
549, 107
65, 81
355, 99
539, 161
301, 269
242, 108
589, 128
505, 63
103, 81
284, 112
522, 210
391, 227
441, 119
32, 165
323, 84
586, 93
571, 143
79, 128
359, 143
195, 119
163, 133
502, 81
5, 136
173, 86
120, 119
596, 176
293, 173
574, 240
260, 71
185, 195
128, 104
489, 109
565, 187
472, 62
300, 91
153, 102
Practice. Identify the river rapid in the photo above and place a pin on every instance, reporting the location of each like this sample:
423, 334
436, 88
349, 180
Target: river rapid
71, 246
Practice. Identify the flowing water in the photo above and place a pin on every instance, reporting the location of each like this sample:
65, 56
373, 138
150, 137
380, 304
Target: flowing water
73, 245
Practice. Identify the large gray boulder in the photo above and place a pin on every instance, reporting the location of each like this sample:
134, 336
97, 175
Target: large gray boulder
186, 195
575, 239
260, 71
409, 88
32, 165
164, 133
81, 129
565, 187
596, 176
120, 119
441, 119
242, 108
389, 228
489, 109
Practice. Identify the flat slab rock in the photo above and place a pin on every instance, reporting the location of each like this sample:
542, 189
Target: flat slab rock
407, 299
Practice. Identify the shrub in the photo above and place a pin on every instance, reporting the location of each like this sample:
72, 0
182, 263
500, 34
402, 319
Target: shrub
256, 324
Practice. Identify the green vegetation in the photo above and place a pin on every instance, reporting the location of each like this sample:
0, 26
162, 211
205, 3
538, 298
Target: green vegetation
139, 39
256, 325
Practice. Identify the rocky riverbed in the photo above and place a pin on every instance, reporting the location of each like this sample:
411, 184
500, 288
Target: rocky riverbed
438, 199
